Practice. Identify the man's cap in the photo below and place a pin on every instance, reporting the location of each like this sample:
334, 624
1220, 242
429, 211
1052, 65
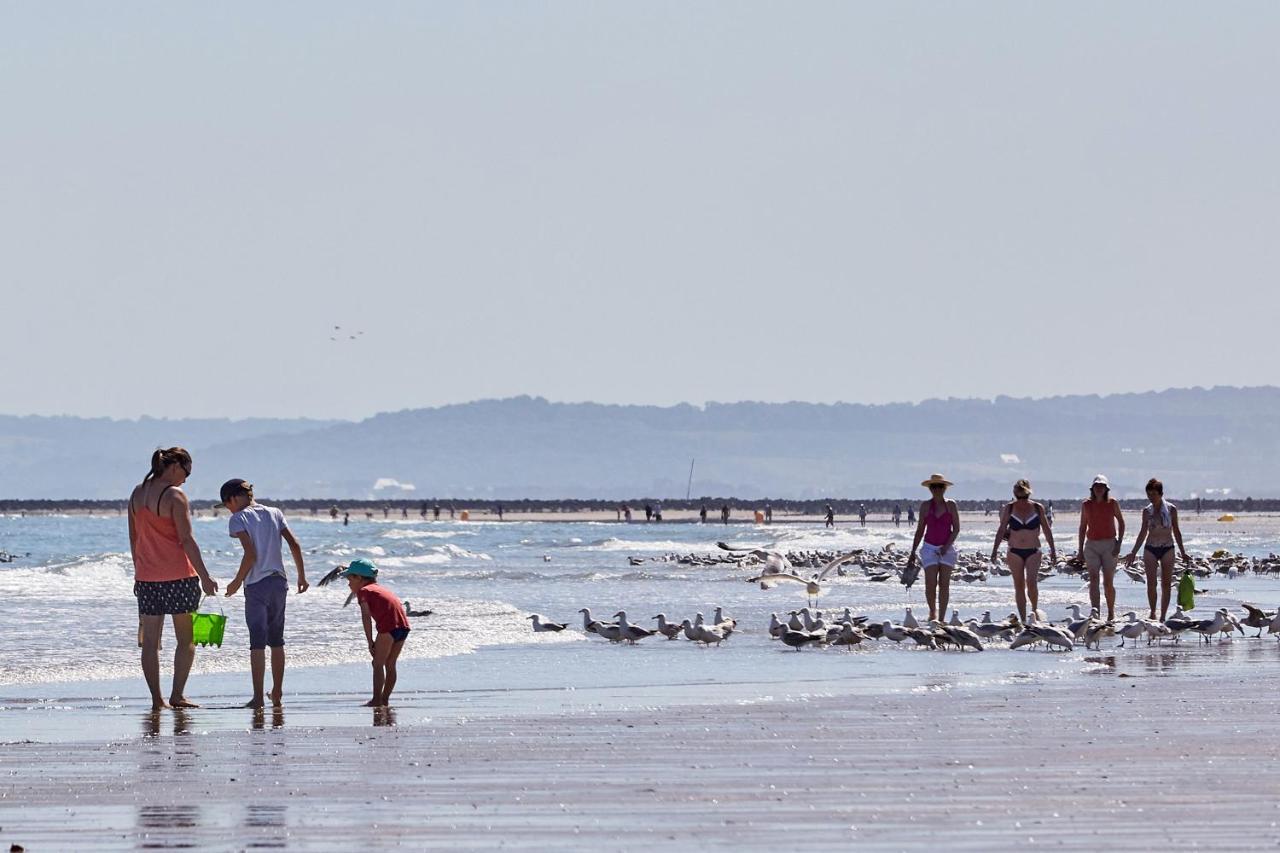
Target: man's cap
233, 487
1101, 480
361, 568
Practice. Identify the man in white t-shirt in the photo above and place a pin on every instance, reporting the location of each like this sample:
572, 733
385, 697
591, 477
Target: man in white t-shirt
260, 530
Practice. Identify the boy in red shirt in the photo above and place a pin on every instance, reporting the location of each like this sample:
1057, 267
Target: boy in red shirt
379, 608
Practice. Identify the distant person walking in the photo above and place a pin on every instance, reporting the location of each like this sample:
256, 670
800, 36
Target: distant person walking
435, 512
346, 519
626, 513
939, 526
911, 514
724, 514
862, 514
702, 514
499, 508
831, 516
1098, 542
1021, 521
169, 573
648, 512
768, 513
1160, 533
897, 516
657, 512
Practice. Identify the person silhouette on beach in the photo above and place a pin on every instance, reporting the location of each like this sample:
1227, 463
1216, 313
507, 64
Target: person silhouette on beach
346, 519
168, 570
702, 514
260, 529
831, 516
768, 513
724, 514
862, 514
939, 526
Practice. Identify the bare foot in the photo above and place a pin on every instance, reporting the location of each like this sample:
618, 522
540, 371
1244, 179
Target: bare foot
160, 705
277, 699
374, 703
253, 703
181, 702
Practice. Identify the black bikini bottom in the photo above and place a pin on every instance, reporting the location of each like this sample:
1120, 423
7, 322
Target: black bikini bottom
1158, 551
1024, 553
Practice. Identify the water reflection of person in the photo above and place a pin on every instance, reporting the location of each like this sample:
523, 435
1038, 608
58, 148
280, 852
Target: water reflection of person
384, 715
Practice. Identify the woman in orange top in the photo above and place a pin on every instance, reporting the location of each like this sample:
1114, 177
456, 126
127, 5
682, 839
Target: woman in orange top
168, 571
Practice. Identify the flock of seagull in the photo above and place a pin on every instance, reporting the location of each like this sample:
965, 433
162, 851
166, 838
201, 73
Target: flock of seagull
889, 563
807, 627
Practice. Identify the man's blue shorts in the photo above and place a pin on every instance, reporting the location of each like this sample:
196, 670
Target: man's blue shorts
264, 611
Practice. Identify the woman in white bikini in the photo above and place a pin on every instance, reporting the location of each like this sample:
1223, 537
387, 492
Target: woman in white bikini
1159, 533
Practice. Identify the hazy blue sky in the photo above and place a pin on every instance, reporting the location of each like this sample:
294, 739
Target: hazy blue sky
631, 202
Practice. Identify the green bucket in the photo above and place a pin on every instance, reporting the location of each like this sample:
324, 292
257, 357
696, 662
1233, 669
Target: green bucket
207, 628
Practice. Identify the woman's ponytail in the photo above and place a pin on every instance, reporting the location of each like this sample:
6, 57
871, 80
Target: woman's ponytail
162, 459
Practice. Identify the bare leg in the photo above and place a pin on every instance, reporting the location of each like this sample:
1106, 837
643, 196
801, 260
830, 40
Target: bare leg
1016, 564
184, 654
277, 675
931, 590
1166, 582
151, 628
389, 683
1109, 587
1095, 591
1149, 565
381, 651
1031, 577
258, 666
944, 590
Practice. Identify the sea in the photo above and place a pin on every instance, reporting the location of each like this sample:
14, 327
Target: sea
68, 621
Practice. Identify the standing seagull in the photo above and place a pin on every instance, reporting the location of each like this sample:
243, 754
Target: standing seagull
631, 633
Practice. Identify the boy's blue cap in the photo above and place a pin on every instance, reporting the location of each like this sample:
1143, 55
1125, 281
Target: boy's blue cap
361, 568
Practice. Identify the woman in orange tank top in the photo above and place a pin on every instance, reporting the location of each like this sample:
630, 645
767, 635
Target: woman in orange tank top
169, 574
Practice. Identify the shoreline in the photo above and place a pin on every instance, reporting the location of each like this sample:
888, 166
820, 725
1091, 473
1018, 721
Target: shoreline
1111, 758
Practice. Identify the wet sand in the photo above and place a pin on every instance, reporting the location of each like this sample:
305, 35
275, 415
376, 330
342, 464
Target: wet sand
1159, 748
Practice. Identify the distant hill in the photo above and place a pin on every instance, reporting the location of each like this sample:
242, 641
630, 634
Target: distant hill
1196, 440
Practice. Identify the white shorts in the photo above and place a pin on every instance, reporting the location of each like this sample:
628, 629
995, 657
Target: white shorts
933, 555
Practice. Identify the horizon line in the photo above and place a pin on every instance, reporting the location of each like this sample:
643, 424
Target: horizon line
700, 406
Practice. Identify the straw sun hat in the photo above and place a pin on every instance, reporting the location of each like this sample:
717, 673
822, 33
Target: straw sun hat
936, 480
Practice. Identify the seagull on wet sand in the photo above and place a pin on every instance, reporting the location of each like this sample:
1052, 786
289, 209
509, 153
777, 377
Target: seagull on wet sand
631, 633
540, 627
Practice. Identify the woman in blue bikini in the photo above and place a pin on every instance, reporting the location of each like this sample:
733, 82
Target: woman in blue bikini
1022, 520
1159, 533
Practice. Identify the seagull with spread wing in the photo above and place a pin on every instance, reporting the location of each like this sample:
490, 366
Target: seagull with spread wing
812, 584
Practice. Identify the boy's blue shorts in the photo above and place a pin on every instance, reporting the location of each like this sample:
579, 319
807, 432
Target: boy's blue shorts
264, 611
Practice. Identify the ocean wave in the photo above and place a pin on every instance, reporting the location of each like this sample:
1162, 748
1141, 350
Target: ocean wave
320, 632
401, 533
665, 546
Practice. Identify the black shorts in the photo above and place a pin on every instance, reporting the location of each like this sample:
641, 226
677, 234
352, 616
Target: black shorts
398, 634
159, 598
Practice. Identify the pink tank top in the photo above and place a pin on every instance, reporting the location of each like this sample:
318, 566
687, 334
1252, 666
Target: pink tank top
937, 528
157, 553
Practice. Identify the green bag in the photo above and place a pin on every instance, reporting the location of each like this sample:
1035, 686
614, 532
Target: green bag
207, 628
1187, 591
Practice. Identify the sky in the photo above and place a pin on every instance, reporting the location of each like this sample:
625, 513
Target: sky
631, 202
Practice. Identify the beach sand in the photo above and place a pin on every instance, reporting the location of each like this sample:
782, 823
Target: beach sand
1158, 748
